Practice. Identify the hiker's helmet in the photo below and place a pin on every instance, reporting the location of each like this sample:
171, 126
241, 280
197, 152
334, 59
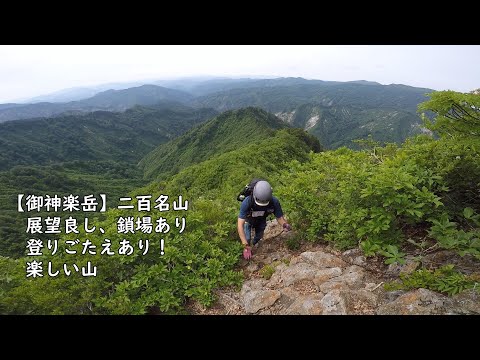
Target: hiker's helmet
262, 193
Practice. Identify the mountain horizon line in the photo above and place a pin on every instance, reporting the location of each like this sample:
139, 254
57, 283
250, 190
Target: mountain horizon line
83, 92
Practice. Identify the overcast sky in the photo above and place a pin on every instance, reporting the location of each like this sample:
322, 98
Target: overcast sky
27, 71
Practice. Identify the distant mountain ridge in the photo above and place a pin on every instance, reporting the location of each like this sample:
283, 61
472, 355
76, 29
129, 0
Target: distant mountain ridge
288, 97
222, 93
335, 112
110, 100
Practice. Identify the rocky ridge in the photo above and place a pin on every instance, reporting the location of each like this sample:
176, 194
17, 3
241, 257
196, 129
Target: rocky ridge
321, 281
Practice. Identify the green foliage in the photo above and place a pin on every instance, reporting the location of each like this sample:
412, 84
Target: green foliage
348, 197
456, 114
269, 269
457, 162
230, 170
123, 137
445, 280
227, 132
449, 236
370, 197
77, 177
293, 243
194, 264
393, 255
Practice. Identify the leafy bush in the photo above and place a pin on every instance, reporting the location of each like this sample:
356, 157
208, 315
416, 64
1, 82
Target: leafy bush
372, 196
348, 197
448, 235
195, 262
445, 280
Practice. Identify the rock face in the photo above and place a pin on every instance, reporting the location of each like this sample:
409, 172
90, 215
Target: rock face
417, 302
409, 267
467, 302
307, 305
298, 272
314, 283
321, 283
426, 302
322, 260
333, 303
256, 300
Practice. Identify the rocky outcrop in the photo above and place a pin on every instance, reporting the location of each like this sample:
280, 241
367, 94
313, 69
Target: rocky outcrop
314, 283
322, 281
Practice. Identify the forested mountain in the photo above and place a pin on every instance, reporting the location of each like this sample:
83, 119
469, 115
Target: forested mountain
226, 132
396, 205
110, 100
83, 154
335, 112
287, 98
337, 126
99, 135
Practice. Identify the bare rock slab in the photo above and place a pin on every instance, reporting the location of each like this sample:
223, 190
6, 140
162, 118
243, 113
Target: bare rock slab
417, 302
322, 260
307, 305
256, 300
298, 272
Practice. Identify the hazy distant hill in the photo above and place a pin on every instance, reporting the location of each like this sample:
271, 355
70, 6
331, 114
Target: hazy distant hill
79, 93
9, 105
110, 100
65, 95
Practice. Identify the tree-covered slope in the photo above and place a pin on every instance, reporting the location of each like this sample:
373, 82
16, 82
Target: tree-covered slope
337, 126
287, 98
97, 136
226, 132
195, 262
336, 113
116, 179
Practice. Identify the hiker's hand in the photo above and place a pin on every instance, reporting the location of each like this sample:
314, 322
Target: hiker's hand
287, 227
247, 253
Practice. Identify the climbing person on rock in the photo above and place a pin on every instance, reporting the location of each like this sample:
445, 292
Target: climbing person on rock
256, 206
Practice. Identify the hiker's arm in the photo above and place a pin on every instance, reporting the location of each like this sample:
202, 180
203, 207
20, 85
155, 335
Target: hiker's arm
279, 215
285, 225
241, 231
278, 211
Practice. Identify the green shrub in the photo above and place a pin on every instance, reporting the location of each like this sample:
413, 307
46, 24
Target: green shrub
445, 280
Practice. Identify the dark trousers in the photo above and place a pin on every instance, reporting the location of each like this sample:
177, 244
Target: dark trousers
258, 226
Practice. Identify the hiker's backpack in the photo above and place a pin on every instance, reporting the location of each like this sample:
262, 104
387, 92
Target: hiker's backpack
247, 190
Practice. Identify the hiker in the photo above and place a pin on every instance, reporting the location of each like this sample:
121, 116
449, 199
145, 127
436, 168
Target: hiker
253, 214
